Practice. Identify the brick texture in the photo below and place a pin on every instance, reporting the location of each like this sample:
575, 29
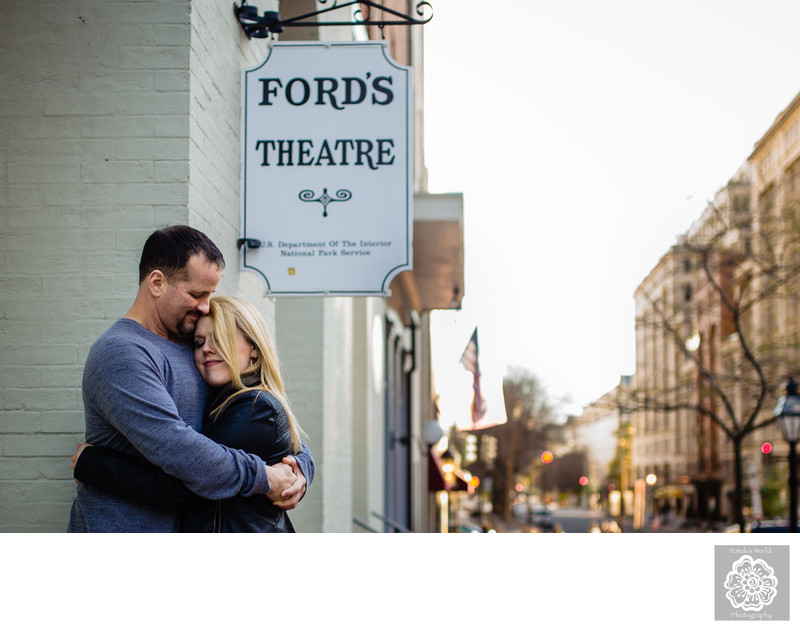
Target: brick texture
94, 151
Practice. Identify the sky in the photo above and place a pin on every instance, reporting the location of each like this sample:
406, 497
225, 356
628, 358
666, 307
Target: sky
585, 137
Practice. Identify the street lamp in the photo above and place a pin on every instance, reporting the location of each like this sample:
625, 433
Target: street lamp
448, 466
787, 413
650, 480
448, 463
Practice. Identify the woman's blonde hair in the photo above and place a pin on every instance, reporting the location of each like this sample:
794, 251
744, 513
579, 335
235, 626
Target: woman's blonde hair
230, 316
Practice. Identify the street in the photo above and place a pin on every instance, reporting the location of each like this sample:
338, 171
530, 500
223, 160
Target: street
570, 519
576, 519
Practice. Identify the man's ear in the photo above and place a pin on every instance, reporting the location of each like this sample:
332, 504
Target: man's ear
156, 282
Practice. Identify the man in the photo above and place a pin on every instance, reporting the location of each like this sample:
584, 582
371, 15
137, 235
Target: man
143, 395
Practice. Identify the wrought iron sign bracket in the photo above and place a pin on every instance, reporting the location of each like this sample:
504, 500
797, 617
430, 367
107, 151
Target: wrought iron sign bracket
261, 27
253, 244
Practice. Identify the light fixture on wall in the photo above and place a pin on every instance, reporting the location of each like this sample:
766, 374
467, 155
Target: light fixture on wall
432, 432
260, 27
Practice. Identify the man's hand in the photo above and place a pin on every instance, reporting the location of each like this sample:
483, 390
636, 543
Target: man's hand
77, 454
281, 478
291, 496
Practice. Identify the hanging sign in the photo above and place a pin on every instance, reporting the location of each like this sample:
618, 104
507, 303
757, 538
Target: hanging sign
328, 168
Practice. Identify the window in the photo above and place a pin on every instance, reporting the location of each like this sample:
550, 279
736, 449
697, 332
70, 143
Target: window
792, 179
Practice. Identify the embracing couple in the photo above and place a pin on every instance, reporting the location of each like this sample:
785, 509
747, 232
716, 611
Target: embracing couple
188, 427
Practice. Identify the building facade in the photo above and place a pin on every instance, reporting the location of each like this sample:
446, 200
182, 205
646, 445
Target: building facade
664, 441
122, 117
775, 323
723, 293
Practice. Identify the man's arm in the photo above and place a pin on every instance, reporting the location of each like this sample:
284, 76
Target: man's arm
306, 462
128, 392
134, 478
130, 477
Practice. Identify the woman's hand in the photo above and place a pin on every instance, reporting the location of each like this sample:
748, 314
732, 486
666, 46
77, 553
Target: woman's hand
77, 454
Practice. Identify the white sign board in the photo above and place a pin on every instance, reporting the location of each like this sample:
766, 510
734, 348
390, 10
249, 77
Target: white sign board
328, 168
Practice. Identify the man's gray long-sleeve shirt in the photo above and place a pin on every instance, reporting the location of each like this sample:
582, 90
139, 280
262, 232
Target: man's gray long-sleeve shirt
143, 395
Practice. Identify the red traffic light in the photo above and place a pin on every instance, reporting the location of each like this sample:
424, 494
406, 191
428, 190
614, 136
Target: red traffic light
547, 457
766, 448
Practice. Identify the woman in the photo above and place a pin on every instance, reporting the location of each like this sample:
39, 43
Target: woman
247, 409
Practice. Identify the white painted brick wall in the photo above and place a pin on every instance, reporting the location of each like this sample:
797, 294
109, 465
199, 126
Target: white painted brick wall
116, 118
94, 152
368, 412
315, 342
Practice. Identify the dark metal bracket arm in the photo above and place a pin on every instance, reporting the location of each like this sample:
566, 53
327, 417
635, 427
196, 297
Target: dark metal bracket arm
253, 244
265, 26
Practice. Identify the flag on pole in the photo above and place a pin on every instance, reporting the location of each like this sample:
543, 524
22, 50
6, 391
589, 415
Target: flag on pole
469, 360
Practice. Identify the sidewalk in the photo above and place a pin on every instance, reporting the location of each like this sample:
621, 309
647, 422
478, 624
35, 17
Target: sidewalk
677, 526
498, 524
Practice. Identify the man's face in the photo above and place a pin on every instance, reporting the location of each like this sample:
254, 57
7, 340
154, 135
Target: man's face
185, 297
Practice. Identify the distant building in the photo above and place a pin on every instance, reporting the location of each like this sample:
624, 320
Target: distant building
678, 303
596, 434
664, 443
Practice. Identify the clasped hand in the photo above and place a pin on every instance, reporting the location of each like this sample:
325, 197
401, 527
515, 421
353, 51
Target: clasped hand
286, 480
287, 483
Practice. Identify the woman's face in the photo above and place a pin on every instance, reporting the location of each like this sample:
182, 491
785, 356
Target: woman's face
212, 367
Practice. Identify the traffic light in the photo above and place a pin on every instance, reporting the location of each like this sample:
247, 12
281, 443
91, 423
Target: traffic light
766, 457
547, 457
470, 448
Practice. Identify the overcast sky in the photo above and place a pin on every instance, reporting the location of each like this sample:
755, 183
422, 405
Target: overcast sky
585, 137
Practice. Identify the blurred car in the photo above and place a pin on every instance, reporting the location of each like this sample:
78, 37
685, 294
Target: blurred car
773, 525
543, 518
519, 510
770, 526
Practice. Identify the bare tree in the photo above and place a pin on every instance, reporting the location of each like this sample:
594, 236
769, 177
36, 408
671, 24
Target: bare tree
519, 440
725, 329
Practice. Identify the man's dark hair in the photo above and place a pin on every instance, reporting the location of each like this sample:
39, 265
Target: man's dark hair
169, 250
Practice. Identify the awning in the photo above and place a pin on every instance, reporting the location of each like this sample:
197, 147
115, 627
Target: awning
436, 481
437, 279
439, 249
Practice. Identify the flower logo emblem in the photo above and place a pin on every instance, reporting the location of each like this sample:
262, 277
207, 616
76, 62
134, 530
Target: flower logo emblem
751, 584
